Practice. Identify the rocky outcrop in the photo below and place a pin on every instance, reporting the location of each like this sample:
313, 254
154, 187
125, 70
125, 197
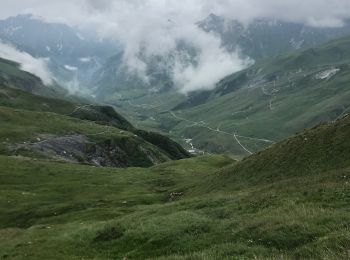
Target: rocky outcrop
81, 149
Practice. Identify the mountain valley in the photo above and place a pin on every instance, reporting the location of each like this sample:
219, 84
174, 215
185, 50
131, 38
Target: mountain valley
105, 162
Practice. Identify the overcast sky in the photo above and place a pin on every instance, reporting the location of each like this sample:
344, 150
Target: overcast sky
156, 26
313, 12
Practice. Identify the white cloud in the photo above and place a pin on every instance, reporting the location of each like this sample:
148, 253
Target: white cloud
156, 26
288, 10
27, 62
213, 65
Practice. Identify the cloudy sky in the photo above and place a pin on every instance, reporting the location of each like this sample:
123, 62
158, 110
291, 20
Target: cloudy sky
313, 12
156, 25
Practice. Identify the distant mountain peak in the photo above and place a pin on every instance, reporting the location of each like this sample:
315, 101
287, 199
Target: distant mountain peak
60, 43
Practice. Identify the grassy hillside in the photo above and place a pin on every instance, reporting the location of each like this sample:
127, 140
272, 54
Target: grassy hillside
267, 102
12, 76
38, 134
51, 118
252, 109
316, 153
288, 202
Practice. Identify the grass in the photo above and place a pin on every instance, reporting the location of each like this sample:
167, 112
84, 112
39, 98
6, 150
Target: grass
90, 114
77, 212
287, 202
44, 194
23, 127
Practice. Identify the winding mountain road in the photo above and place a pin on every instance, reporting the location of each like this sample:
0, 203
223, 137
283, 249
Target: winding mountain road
234, 135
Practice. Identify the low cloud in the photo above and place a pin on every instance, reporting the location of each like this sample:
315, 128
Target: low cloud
149, 29
213, 65
27, 62
155, 27
152, 28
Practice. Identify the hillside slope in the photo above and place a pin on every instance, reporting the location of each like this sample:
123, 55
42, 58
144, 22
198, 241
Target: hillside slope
267, 102
12, 76
317, 151
39, 126
288, 202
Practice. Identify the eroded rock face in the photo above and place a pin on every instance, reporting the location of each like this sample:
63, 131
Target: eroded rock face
175, 195
81, 149
71, 148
